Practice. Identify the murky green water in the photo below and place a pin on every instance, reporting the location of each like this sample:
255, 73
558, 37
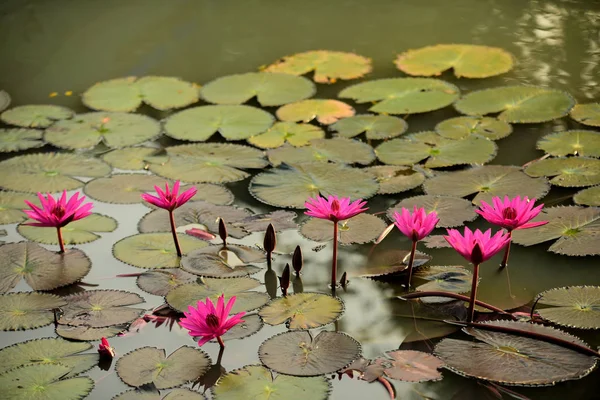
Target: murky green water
59, 45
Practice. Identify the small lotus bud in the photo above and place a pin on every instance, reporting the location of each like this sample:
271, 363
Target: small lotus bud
284, 280
297, 260
270, 239
344, 279
223, 231
476, 255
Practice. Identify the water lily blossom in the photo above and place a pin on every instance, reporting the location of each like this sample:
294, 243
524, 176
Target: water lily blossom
209, 322
105, 349
57, 213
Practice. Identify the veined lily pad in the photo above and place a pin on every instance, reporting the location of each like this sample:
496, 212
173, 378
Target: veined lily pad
574, 306
362, 228
576, 228
100, 308
290, 186
587, 114
376, 127
517, 104
280, 219
77, 232
467, 60
175, 394
390, 262
35, 116
567, 172
120, 94
462, 127
12, 205
237, 122
296, 135
49, 172
166, 92
27, 310
411, 366
257, 382
19, 139
328, 66
452, 211
234, 252
567, 143
395, 179
216, 266
487, 181
87, 333
122, 188
342, 150
453, 278
302, 310
130, 158
298, 353
5, 100
324, 111
251, 325
403, 95
588, 197
42, 269
159, 282
151, 365
154, 250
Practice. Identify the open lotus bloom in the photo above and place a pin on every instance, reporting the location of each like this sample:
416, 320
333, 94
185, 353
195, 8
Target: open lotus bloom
333, 208
477, 246
170, 199
57, 213
511, 214
415, 225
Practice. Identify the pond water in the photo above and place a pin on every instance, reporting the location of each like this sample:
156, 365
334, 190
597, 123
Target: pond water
58, 46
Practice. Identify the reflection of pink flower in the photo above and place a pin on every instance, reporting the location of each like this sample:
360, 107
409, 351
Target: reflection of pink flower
416, 225
511, 214
59, 213
170, 200
334, 208
477, 246
209, 322
105, 349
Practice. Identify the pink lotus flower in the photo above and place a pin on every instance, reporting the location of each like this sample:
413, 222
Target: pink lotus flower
334, 208
105, 349
170, 199
511, 214
416, 225
209, 322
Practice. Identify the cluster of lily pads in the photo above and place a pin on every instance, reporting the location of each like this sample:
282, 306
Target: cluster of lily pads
117, 155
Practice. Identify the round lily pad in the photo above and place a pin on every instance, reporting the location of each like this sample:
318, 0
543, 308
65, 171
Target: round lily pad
302, 310
403, 95
159, 282
154, 250
395, 179
517, 104
342, 150
467, 60
5, 100
375, 127
462, 127
587, 114
574, 306
77, 232
87, 333
362, 228
280, 219
19, 139
151, 365
567, 172
49, 172
235, 253
328, 66
175, 394
251, 325
411, 366
452, 278
12, 205
120, 94
588, 197
100, 308
122, 188
130, 158
571, 143
290, 186
42, 269
27, 310
298, 353
216, 265
167, 92
390, 262
287, 132
35, 116
233, 122
452, 211
324, 111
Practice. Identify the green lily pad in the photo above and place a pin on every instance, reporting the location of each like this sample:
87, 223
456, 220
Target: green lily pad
453, 278
587, 114
19, 139
87, 333
375, 127
462, 127
115, 130
410, 366
576, 228
159, 282
328, 66
166, 92
298, 353
12, 205
452, 211
42, 269
77, 232
467, 60
122, 188
439, 151
517, 104
235, 122
423, 321
296, 135
291, 186
100, 308
569, 143
257, 382
130, 158
44, 382
588, 197
395, 179
390, 262
403, 95
342, 150
189, 294
567, 172
151, 365
216, 266
487, 181
324, 111
280, 219
119, 94
209, 162
515, 360
27, 310
5, 100
235, 253
362, 228
270, 89
49, 351
574, 306
154, 250
251, 325
302, 310
175, 394
49, 172
35, 116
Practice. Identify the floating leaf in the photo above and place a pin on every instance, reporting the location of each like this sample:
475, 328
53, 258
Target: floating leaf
280, 219
390, 262
86, 333
122, 188
77, 232
467, 60
154, 250
12, 205
462, 127
175, 394
576, 142
587, 114
189, 294
130, 158
257, 382
517, 104
487, 181
287, 132
324, 111
159, 282
42, 269
251, 325
453, 278
35, 116
421, 321
302, 310
362, 228
19, 139
299, 353
216, 266
119, 94
235, 252
100, 308
403, 95
567, 172
588, 197
411, 366
166, 92
49, 172
115, 130
515, 360
4, 100
376, 127
151, 365
342, 150
328, 66
395, 179
436, 242
290, 186
209, 162
27, 310
575, 306
452, 211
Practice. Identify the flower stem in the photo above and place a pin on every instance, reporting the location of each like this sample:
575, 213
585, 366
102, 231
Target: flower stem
410, 265
220, 342
61, 243
504, 263
334, 260
417, 295
174, 232
471, 311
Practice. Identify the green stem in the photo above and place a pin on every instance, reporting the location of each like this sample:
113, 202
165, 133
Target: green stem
411, 261
504, 263
334, 261
220, 340
174, 232
61, 243
471, 311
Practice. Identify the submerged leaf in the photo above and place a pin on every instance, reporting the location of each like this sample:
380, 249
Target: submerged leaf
451, 211
453, 278
19, 139
588, 197
100, 308
76, 232
27, 310
362, 228
411, 366
35, 116
567, 172
342, 150
302, 310
587, 114
395, 179
280, 133
574, 306
325, 111
567, 143
462, 127
376, 127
